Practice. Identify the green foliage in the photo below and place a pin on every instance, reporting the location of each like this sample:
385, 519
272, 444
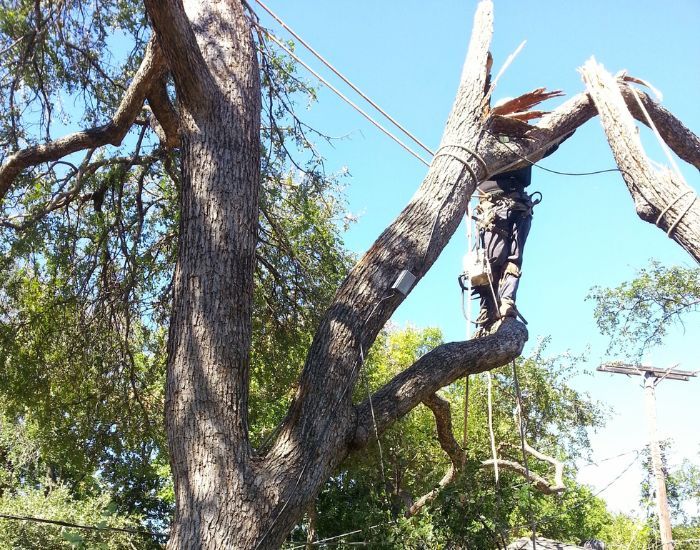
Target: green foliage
58, 63
683, 492
687, 479
638, 313
624, 532
368, 496
84, 403
56, 503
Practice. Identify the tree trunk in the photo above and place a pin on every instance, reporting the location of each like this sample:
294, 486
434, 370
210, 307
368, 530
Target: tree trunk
210, 329
226, 496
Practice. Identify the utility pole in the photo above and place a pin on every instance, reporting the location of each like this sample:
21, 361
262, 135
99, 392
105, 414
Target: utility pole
652, 377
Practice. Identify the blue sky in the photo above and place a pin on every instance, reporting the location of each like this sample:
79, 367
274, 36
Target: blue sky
407, 55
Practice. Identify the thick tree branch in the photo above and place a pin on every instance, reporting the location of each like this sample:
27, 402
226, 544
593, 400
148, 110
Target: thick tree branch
152, 67
659, 198
412, 242
558, 468
172, 23
442, 412
435, 370
322, 425
679, 138
166, 123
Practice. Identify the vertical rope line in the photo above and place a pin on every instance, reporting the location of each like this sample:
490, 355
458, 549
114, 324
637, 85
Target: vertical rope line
491, 433
654, 129
470, 249
465, 429
374, 421
521, 423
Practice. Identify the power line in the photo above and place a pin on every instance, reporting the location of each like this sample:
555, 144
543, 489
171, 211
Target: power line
62, 523
607, 459
560, 173
377, 107
344, 78
340, 94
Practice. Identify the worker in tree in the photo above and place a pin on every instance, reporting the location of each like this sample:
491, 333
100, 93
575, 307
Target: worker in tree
504, 215
503, 219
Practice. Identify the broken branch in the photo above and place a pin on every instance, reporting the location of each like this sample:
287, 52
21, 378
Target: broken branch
659, 198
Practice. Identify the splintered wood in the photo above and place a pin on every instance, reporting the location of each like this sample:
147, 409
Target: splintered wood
660, 197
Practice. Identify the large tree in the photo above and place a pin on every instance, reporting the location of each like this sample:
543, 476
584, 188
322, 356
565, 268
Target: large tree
228, 494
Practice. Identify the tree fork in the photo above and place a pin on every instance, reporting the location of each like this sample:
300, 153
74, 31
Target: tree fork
226, 495
322, 426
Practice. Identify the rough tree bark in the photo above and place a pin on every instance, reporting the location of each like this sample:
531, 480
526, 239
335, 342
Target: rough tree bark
660, 197
211, 54
227, 495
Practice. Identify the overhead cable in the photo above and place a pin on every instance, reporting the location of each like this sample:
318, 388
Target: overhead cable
62, 523
340, 94
344, 78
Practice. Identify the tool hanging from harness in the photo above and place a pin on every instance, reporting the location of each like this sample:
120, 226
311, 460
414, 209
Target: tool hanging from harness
494, 206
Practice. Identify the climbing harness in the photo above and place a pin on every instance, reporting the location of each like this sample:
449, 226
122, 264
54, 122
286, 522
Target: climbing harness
476, 267
498, 204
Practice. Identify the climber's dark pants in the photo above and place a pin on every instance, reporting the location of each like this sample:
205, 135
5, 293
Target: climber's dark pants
503, 246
